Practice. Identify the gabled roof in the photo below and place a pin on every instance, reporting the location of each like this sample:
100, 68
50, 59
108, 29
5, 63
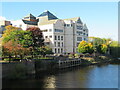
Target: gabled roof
75, 19
49, 14
85, 27
79, 21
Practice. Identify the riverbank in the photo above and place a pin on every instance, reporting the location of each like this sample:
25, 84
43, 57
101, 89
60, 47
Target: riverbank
25, 69
100, 60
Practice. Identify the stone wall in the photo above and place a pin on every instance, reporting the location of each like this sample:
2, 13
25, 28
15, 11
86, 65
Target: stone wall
15, 70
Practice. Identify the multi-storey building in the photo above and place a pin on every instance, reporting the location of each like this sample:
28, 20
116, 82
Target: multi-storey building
3, 23
62, 35
26, 22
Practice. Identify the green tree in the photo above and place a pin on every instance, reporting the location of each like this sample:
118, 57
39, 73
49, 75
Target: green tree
45, 50
100, 44
96, 41
102, 48
82, 47
37, 38
17, 41
23, 38
90, 48
8, 30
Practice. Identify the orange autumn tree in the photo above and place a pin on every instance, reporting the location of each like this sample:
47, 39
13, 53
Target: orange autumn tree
13, 48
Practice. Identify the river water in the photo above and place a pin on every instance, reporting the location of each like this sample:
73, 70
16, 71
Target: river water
102, 76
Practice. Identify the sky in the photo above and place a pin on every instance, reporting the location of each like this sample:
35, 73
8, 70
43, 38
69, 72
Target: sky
101, 18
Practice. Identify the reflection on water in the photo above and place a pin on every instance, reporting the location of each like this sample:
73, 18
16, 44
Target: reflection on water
49, 82
104, 76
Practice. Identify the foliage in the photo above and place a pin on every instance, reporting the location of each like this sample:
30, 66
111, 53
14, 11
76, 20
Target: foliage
19, 36
16, 42
90, 48
114, 44
8, 30
37, 36
82, 47
76, 55
45, 50
13, 48
48, 50
102, 48
100, 44
115, 49
85, 47
71, 55
96, 41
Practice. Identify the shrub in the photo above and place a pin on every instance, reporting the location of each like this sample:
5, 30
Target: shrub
85, 47
76, 55
102, 48
71, 55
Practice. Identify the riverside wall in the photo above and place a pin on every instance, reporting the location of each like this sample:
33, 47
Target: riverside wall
15, 70
24, 69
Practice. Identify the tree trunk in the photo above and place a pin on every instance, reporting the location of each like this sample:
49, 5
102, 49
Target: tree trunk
21, 57
9, 58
